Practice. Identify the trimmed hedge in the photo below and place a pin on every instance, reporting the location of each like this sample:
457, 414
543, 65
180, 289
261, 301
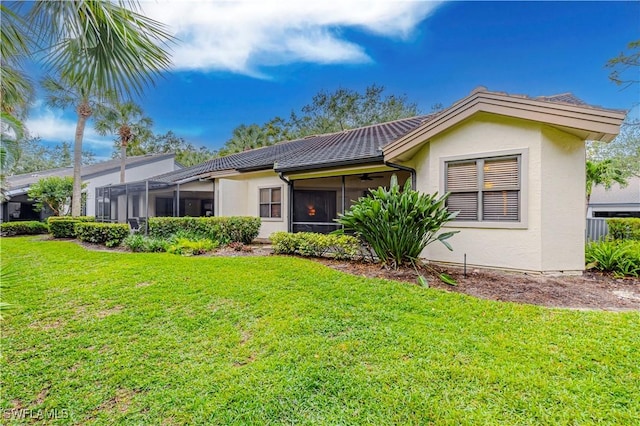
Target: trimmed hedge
109, 234
9, 229
64, 226
624, 228
223, 229
311, 244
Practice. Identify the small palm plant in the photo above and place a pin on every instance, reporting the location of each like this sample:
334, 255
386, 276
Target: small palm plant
398, 223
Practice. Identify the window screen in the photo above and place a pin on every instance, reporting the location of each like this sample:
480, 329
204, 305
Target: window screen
271, 202
498, 196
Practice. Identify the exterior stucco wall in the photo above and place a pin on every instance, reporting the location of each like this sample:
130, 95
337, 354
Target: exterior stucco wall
563, 202
240, 197
132, 174
484, 136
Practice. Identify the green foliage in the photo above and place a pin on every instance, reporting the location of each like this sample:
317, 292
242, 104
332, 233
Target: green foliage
53, 192
257, 335
624, 228
64, 226
9, 229
315, 245
141, 243
397, 224
622, 257
624, 67
36, 155
603, 173
191, 247
186, 153
328, 112
623, 151
242, 229
109, 234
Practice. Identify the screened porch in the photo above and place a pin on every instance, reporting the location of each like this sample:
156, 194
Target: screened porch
137, 201
317, 202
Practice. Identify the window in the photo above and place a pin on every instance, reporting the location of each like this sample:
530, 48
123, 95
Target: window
485, 190
271, 202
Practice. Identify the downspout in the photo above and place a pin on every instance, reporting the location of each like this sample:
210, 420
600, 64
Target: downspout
289, 201
406, 169
146, 207
176, 211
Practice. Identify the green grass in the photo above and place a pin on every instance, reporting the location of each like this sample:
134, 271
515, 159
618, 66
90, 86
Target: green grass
117, 338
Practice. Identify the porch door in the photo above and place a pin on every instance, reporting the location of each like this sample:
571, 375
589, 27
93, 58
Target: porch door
314, 210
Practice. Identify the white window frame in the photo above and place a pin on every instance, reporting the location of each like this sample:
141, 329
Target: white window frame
523, 156
270, 218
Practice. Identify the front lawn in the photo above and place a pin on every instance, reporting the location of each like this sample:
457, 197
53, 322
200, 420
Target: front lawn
163, 339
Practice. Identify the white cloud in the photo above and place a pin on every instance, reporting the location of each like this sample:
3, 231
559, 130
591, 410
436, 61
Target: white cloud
53, 126
242, 36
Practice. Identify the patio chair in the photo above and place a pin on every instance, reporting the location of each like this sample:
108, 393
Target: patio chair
134, 224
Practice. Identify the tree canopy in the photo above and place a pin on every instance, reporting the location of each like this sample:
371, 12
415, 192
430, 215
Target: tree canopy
54, 193
186, 153
326, 113
624, 67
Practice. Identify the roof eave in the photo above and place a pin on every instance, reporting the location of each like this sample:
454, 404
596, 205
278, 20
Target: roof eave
598, 124
333, 164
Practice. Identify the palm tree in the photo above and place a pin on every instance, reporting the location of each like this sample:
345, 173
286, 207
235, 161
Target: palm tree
246, 137
16, 89
98, 49
128, 122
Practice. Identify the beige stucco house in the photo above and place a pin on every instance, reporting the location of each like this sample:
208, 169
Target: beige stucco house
18, 206
515, 167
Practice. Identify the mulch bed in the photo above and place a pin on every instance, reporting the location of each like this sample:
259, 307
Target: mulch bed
592, 290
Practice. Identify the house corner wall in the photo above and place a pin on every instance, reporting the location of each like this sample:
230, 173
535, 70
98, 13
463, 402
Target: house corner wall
563, 202
241, 197
486, 135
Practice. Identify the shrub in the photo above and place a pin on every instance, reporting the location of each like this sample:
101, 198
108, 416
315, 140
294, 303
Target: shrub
64, 226
187, 247
315, 245
397, 224
224, 229
9, 229
142, 243
620, 257
624, 228
109, 234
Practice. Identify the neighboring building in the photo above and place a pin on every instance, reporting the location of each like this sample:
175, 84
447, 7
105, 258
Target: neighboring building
19, 207
616, 201
515, 167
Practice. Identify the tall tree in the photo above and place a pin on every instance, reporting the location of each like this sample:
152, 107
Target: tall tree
603, 173
623, 151
186, 153
246, 137
16, 89
36, 156
127, 120
328, 112
100, 49
623, 66
347, 109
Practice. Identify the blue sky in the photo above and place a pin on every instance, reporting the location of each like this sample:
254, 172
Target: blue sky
248, 62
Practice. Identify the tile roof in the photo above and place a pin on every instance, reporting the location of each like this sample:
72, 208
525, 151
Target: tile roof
328, 150
16, 182
355, 145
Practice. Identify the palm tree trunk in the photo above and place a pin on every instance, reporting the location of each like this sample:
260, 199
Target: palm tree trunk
123, 161
84, 112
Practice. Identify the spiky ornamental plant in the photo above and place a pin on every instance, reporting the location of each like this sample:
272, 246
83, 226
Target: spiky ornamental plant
398, 223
